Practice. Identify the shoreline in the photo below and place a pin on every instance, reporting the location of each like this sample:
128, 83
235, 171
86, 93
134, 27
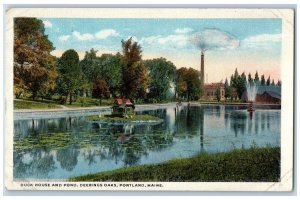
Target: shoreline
28, 114
64, 108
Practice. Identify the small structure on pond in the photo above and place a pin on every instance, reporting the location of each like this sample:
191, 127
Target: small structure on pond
122, 107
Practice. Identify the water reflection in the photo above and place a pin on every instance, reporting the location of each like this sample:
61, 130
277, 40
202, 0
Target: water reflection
70, 146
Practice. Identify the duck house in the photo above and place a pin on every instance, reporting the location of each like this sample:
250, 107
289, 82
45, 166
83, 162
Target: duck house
122, 107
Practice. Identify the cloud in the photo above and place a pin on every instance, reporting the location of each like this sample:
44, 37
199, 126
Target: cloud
85, 36
64, 37
261, 41
263, 38
169, 40
208, 39
183, 30
47, 23
106, 33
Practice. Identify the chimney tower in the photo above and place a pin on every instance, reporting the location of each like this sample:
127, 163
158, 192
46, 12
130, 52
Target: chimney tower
202, 72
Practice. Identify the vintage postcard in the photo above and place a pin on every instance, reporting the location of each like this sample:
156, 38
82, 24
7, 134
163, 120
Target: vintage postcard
149, 99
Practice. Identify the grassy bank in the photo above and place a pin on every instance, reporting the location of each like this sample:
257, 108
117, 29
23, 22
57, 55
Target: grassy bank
120, 119
251, 165
26, 104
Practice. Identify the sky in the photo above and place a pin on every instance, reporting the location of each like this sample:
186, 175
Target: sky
249, 45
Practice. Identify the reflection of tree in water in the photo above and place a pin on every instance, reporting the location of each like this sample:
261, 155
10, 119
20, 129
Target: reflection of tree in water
238, 122
262, 121
256, 127
35, 163
67, 157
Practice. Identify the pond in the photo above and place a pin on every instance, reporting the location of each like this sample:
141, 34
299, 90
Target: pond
59, 148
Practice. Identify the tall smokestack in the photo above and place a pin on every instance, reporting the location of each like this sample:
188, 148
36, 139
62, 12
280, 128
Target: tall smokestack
202, 72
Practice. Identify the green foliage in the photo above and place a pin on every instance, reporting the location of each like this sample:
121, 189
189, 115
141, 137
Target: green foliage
262, 80
227, 89
107, 67
162, 74
250, 80
256, 79
250, 165
188, 83
238, 84
268, 81
273, 83
70, 73
34, 66
218, 93
135, 78
25, 104
100, 89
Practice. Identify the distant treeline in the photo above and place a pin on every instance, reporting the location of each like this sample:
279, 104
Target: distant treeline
239, 82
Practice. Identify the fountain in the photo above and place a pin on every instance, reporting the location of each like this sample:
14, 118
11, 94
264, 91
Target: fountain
251, 94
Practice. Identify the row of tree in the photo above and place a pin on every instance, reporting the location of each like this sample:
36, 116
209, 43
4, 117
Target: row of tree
39, 73
239, 82
124, 74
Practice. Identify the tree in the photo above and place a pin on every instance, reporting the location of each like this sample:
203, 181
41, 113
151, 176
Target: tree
268, 81
273, 83
134, 74
181, 85
262, 80
241, 85
250, 79
34, 66
256, 79
188, 83
162, 73
109, 67
70, 73
100, 89
278, 83
193, 84
227, 89
218, 93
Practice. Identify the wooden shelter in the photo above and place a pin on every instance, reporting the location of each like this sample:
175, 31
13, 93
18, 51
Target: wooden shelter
122, 107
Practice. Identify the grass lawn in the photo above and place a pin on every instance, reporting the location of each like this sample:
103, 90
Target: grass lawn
50, 104
27, 104
246, 165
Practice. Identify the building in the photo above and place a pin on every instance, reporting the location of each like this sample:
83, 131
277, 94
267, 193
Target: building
266, 94
210, 91
122, 107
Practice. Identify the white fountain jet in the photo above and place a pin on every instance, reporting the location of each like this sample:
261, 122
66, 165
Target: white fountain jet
251, 92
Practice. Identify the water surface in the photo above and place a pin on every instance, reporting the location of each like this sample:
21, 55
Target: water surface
58, 148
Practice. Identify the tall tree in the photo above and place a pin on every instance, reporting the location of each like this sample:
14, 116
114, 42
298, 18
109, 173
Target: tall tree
162, 74
181, 85
241, 85
218, 93
100, 89
273, 83
227, 89
188, 83
278, 83
109, 67
134, 74
268, 81
250, 79
193, 84
256, 78
262, 80
34, 66
70, 73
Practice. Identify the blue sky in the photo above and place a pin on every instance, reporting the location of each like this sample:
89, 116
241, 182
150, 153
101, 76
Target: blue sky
259, 41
